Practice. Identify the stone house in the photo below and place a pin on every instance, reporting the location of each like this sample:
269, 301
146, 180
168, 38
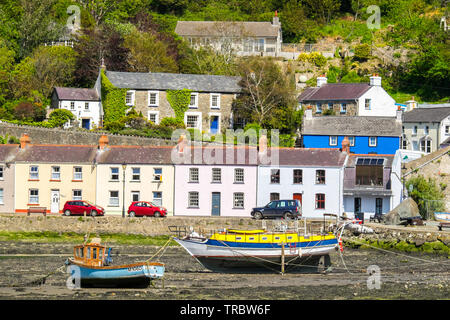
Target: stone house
425, 129
348, 99
210, 108
234, 37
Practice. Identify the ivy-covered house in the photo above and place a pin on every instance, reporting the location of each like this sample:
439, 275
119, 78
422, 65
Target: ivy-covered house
203, 102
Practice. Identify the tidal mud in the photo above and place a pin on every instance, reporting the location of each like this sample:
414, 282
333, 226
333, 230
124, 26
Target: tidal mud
397, 276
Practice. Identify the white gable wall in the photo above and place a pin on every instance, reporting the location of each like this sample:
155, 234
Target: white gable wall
382, 104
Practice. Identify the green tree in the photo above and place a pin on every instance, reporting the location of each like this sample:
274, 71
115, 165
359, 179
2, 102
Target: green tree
59, 117
423, 190
147, 54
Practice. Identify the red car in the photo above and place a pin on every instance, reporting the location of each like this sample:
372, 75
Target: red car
78, 207
145, 208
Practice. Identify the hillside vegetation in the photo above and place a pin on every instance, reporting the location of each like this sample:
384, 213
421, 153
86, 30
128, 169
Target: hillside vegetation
410, 50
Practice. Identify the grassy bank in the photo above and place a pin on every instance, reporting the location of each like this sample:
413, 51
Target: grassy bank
435, 247
72, 237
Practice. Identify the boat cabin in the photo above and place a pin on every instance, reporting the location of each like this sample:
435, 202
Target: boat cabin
91, 254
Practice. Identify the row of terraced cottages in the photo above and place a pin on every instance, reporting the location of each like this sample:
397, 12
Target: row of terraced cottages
199, 181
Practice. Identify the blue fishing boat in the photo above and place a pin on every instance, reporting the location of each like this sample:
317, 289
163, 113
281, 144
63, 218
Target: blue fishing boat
91, 265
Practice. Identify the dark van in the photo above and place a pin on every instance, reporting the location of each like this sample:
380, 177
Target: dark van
287, 209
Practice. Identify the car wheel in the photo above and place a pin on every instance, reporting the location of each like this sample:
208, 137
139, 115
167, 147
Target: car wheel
132, 214
67, 213
94, 213
157, 214
258, 215
287, 215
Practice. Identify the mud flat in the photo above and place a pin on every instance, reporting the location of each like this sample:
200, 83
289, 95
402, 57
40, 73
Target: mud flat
402, 276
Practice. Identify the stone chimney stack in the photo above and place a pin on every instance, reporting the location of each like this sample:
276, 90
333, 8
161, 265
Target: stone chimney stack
411, 104
346, 145
308, 113
375, 80
24, 141
103, 142
399, 114
321, 80
276, 20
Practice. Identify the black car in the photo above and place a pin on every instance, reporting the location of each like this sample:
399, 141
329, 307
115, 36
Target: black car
280, 208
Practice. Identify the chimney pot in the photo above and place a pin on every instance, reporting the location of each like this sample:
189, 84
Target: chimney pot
346, 145
24, 141
103, 142
321, 80
375, 80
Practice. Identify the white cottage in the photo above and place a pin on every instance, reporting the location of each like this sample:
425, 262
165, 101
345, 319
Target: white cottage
85, 104
313, 176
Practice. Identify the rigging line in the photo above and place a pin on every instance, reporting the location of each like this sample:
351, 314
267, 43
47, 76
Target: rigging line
397, 253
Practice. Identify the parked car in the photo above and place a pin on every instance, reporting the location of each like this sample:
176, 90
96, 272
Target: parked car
279, 209
145, 208
79, 207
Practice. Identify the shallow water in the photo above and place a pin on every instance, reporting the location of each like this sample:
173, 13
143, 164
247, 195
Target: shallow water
397, 276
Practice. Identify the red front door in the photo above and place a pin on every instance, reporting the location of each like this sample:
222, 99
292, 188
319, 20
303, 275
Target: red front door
297, 196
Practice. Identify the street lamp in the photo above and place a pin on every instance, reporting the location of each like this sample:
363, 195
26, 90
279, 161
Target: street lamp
124, 166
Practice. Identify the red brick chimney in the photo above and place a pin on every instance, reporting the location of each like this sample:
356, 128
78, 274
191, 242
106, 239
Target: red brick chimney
346, 145
24, 141
103, 142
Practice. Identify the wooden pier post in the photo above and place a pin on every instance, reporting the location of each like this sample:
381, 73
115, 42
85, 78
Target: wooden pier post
282, 258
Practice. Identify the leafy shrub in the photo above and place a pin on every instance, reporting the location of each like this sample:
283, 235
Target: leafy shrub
172, 123
362, 52
313, 57
59, 117
114, 126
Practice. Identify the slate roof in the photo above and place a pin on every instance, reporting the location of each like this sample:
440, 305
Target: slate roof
57, 154
135, 155
7, 152
77, 94
334, 91
174, 81
311, 157
226, 28
426, 115
352, 126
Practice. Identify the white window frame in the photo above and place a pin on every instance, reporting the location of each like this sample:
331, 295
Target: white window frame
133, 98
199, 120
211, 100
156, 113
195, 105
77, 176
33, 199
191, 199
447, 130
111, 174
332, 141
318, 108
78, 198
86, 106
367, 104
34, 174
1, 196
343, 109
216, 175
237, 202
426, 130
112, 200
156, 104
157, 176
352, 141
56, 174
426, 148
72, 105
414, 130
2, 170
373, 144
239, 176
138, 174
192, 174
157, 200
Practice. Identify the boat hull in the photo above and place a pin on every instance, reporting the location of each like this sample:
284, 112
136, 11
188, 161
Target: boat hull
231, 256
442, 216
134, 275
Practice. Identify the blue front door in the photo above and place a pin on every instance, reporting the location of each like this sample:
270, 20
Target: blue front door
214, 124
86, 124
215, 200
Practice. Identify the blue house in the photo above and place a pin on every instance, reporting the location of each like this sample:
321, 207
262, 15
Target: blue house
367, 135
